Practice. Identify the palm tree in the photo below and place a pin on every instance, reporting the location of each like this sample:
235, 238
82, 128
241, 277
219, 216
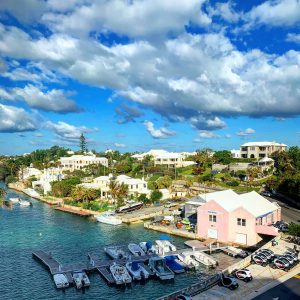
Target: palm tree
122, 191
78, 193
89, 195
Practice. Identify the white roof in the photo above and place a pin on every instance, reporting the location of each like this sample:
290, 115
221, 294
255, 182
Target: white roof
102, 178
169, 155
84, 157
262, 144
254, 203
266, 159
128, 180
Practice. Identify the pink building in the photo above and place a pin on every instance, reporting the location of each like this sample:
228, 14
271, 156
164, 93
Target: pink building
242, 219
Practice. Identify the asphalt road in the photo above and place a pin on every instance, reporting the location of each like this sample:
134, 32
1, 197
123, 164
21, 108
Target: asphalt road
288, 213
288, 290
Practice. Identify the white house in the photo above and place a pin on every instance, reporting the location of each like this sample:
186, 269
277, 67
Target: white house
100, 183
136, 186
235, 153
25, 173
260, 149
49, 175
78, 162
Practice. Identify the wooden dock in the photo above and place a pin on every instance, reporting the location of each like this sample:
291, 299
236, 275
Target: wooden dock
104, 271
73, 211
51, 263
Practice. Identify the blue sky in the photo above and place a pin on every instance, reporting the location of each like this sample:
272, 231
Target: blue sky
136, 75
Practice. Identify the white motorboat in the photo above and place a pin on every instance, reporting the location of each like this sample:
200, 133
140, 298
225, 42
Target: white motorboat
120, 274
77, 277
159, 267
108, 218
186, 258
25, 203
85, 280
61, 281
148, 248
14, 200
165, 246
115, 252
136, 250
137, 271
203, 258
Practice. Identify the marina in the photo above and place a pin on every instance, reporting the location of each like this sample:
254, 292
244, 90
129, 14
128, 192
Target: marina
42, 227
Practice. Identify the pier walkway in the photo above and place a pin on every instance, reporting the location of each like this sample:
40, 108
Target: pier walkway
73, 211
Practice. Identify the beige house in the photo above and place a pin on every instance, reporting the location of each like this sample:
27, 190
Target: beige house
78, 162
100, 183
136, 186
260, 150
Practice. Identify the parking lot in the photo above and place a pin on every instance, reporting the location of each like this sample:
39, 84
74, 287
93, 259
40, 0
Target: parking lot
262, 276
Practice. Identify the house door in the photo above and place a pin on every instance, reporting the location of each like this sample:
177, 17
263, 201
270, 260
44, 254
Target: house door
241, 238
212, 233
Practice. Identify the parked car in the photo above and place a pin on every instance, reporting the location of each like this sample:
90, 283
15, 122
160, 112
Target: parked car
269, 254
266, 193
228, 282
259, 259
242, 274
280, 263
290, 259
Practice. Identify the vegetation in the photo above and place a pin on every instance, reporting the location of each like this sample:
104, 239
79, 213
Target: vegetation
294, 229
82, 143
2, 193
64, 187
155, 196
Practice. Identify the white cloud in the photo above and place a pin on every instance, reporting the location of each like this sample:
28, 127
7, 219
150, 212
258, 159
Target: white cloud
52, 100
293, 37
204, 134
14, 119
104, 16
118, 145
275, 13
246, 132
226, 11
29, 12
158, 133
68, 132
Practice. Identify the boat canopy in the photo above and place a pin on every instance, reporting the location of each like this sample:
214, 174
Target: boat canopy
165, 237
135, 266
149, 245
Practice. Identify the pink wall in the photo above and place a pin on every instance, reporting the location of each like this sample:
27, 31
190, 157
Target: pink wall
203, 223
248, 230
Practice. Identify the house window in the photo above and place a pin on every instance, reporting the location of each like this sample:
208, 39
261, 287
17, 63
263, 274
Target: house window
212, 218
241, 222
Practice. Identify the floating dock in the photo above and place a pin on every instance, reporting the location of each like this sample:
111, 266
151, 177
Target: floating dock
106, 274
51, 263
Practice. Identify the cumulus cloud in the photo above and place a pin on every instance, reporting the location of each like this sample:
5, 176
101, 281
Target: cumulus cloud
14, 119
53, 100
28, 13
204, 134
245, 132
196, 78
160, 133
128, 113
293, 37
275, 13
104, 16
68, 132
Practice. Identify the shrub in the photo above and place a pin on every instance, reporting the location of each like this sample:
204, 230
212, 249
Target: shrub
233, 183
294, 229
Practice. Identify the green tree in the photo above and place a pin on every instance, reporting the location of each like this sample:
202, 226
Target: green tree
82, 143
143, 198
163, 182
223, 157
294, 229
155, 196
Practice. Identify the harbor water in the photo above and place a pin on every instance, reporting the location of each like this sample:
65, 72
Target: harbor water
69, 238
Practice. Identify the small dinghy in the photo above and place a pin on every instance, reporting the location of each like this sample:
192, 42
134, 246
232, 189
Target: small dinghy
25, 203
175, 264
161, 270
14, 200
115, 252
61, 281
137, 271
136, 250
120, 274
186, 258
78, 279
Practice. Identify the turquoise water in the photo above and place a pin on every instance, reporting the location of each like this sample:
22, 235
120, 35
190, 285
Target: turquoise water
69, 238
